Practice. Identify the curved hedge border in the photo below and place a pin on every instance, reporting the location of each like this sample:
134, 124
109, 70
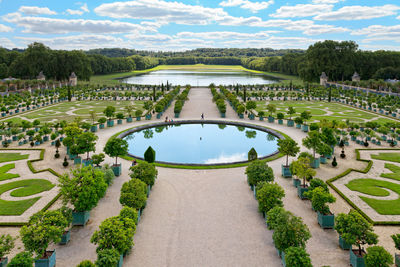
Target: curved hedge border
366, 170
33, 170
268, 158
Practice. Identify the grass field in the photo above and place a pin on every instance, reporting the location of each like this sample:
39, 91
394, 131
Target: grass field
69, 110
395, 175
393, 157
112, 78
7, 157
376, 188
22, 188
3, 172
322, 110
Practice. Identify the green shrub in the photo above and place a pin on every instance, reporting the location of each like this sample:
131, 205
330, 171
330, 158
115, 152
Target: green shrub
269, 195
145, 172
277, 216
22, 259
109, 175
107, 258
128, 212
258, 171
134, 194
86, 263
6, 244
377, 256
297, 257
150, 155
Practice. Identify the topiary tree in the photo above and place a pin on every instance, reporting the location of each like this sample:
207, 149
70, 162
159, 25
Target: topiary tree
145, 172
355, 229
134, 194
22, 259
107, 258
98, 159
83, 188
269, 195
86, 263
115, 233
377, 256
288, 147
116, 147
109, 112
150, 155
252, 154
6, 245
258, 171
297, 257
42, 229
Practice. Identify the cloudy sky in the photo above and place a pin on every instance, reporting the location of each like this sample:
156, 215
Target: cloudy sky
180, 25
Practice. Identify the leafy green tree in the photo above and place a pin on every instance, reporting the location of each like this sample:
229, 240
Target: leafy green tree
42, 229
128, 212
320, 198
134, 194
301, 168
355, 229
107, 258
98, 159
271, 109
377, 256
290, 112
145, 172
305, 115
277, 216
116, 147
22, 259
269, 195
83, 188
288, 147
258, 171
86, 263
6, 244
115, 233
109, 175
86, 143
297, 257
312, 141
109, 112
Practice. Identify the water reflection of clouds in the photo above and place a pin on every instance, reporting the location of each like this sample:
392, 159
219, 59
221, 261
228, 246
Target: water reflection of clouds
227, 158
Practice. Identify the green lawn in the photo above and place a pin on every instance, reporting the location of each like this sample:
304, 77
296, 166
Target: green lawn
377, 188
7, 157
3, 172
393, 157
395, 175
22, 188
69, 110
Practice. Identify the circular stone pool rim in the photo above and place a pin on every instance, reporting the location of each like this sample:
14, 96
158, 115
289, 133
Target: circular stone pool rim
153, 125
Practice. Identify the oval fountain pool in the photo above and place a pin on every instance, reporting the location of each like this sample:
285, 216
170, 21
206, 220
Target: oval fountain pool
201, 143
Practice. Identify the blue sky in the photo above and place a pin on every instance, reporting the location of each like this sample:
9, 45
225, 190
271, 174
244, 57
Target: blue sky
180, 25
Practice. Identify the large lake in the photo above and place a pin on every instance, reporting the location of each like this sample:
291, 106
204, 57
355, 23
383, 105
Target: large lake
199, 78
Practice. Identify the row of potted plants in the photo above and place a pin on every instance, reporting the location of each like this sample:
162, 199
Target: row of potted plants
181, 98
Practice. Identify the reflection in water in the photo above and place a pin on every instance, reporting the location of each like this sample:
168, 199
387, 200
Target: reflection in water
199, 77
270, 137
200, 143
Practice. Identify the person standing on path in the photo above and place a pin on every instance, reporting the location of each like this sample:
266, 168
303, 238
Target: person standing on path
202, 116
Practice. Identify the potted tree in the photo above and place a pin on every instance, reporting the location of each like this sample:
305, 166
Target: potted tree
42, 229
320, 197
261, 115
86, 143
129, 110
291, 111
102, 120
271, 109
116, 147
108, 257
134, 194
324, 151
240, 109
120, 117
303, 170
313, 141
83, 189
280, 116
250, 105
6, 245
287, 147
109, 113
305, 115
298, 122
97, 159
93, 116
145, 172
377, 256
66, 236
355, 230
297, 256
269, 195
22, 259
138, 114
396, 240
258, 171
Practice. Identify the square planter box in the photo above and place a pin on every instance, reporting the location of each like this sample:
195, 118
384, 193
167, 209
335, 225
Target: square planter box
298, 126
283, 259
15, 138
397, 260
65, 237
148, 117
301, 190
102, 126
4, 262
158, 116
296, 182
120, 261
45, 138
280, 122
322, 160
176, 115
261, 118
315, 163
117, 169
304, 128
241, 116
119, 121
355, 260
129, 119
87, 162
223, 115
93, 128
80, 217
343, 244
286, 171
271, 119
77, 160
290, 123
110, 123
326, 221
49, 262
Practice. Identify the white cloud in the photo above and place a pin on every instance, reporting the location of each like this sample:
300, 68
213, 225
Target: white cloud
83, 41
359, 12
6, 43
4, 28
80, 11
160, 10
34, 10
226, 158
245, 4
43, 25
301, 10
326, 1
223, 35
379, 33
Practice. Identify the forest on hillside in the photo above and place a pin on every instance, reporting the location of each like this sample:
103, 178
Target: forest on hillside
339, 60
